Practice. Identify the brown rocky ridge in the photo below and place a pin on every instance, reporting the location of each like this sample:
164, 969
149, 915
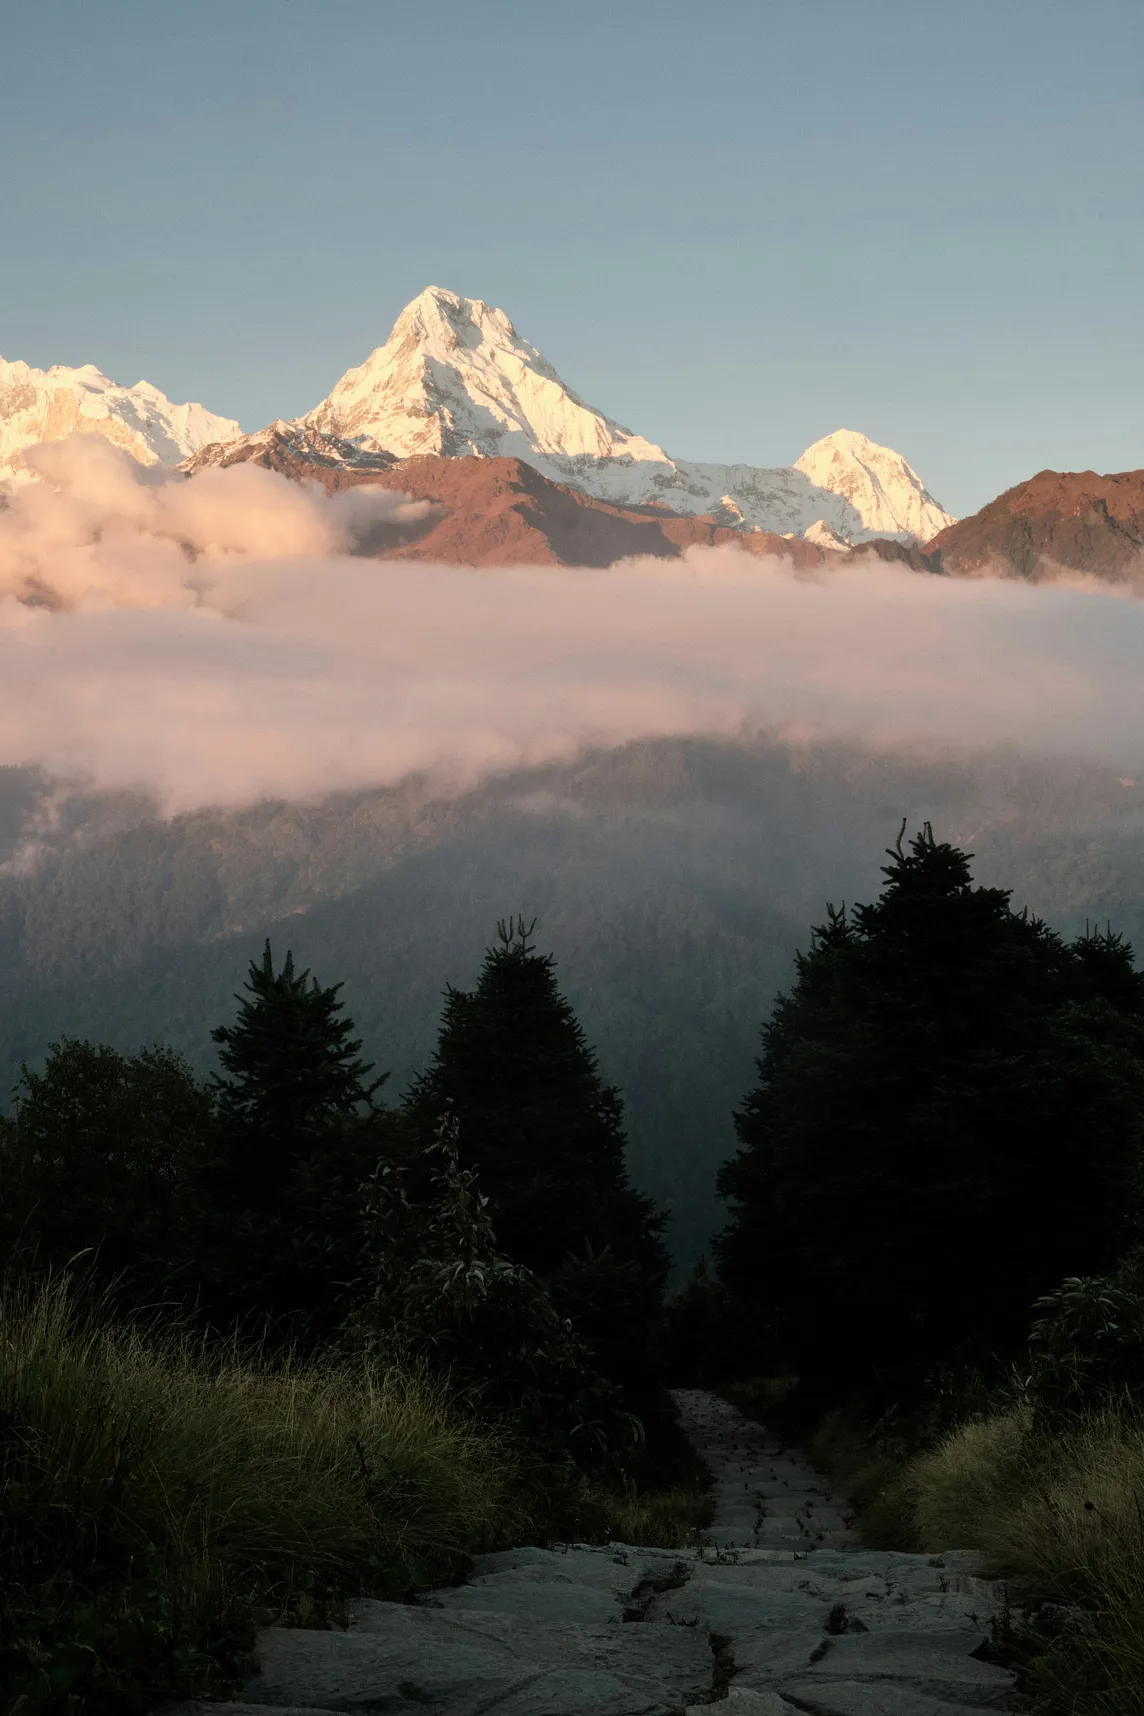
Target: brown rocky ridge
297, 452
492, 511
1074, 521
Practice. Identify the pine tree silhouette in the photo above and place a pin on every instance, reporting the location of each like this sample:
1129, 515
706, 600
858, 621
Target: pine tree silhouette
947, 1120
296, 1132
534, 1117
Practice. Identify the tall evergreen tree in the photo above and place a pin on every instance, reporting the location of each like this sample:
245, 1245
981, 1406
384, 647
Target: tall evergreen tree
296, 1132
544, 1133
948, 1118
534, 1118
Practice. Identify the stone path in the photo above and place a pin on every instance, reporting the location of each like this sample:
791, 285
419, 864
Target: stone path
781, 1612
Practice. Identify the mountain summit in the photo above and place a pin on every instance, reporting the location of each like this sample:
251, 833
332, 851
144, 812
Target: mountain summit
455, 379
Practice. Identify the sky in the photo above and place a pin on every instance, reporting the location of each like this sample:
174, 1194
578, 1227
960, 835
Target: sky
735, 227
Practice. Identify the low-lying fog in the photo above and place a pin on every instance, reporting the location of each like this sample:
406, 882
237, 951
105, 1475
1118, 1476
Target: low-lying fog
217, 641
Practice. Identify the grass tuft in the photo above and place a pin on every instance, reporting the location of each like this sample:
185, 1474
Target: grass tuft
1064, 1516
667, 1519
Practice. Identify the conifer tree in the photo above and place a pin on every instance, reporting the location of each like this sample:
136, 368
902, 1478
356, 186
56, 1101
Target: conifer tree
948, 1119
296, 1132
540, 1127
291, 1073
534, 1117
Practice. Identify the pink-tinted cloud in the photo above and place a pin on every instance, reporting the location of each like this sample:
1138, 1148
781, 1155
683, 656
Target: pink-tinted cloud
214, 641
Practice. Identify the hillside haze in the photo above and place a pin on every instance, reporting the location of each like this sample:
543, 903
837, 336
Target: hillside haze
673, 881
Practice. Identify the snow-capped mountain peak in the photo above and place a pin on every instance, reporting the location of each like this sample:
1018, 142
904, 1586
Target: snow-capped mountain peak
455, 379
46, 405
876, 481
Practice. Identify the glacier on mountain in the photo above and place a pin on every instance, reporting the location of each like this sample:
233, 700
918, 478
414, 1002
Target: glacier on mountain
455, 378
47, 405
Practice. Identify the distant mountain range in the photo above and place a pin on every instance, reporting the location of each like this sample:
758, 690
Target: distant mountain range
48, 404
455, 379
456, 409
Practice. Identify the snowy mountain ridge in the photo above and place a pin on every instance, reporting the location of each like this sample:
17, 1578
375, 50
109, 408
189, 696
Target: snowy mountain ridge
456, 379
46, 405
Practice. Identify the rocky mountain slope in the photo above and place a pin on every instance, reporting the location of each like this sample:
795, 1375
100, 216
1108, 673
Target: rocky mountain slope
47, 405
296, 451
491, 511
456, 379
1074, 521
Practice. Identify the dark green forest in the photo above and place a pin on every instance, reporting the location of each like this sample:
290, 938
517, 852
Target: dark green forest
675, 879
407, 1319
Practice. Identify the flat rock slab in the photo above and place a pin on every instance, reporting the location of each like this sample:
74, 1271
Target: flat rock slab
559, 1602
192, 1707
860, 1698
781, 1612
670, 1663
941, 1664
466, 1676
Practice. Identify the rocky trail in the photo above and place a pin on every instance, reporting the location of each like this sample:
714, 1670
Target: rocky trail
781, 1612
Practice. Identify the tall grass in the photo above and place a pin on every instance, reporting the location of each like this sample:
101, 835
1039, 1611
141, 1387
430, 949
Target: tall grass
1064, 1515
159, 1499
664, 1519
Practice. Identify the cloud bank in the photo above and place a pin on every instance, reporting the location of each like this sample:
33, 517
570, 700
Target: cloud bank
218, 640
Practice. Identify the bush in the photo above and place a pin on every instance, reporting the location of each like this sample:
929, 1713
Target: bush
95, 1159
1087, 1344
441, 1294
157, 1502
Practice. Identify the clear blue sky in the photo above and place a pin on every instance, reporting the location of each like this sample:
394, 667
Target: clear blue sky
735, 226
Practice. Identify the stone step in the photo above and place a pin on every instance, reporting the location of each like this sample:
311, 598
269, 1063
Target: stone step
781, 1612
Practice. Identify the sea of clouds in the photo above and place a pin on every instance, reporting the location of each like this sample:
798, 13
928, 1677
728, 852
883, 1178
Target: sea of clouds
222, 639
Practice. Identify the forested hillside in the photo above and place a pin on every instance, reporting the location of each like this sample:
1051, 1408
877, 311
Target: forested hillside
674, 882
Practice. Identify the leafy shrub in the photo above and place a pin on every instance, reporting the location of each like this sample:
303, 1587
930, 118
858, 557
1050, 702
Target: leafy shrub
95, 1159
442, 1295
1087, 1343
